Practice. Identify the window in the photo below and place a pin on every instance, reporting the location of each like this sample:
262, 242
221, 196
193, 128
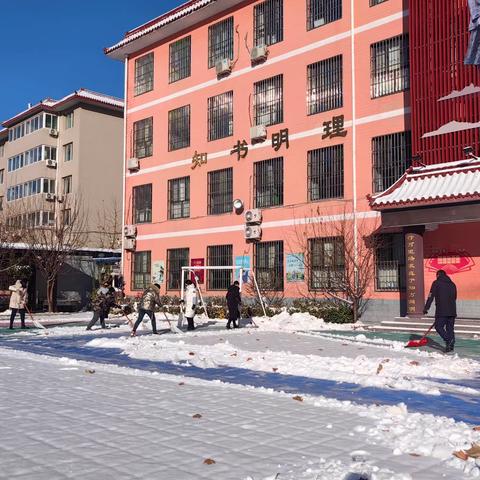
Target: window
141, 266
1, 204
51, 121
268, 183
327, 263
47, 218
180, 59
2, 150
376, 2
143, 138
269, 265
176, 259
32, 187
391, 156
390, 262
67, 184
325, 85
144, 74
49, 153
69, 120
67, 216
179, 198
179, 128
220, 116
320, 12
268, 22
220, 191
142, 204
219, 256
325, 173
68, 152
268, 101
2, 174
220, 41
389, 66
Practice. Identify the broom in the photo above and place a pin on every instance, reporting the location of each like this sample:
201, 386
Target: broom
173, 327
422, 342
35, 322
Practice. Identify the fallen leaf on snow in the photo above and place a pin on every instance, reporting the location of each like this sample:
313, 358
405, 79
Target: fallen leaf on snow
414, 454
414, 363
385, 360
476, 429
209, 461
182, 383
274, 369
234, 354
191, 353
379, 368
249, 359
298, 398
89, 370
197, 415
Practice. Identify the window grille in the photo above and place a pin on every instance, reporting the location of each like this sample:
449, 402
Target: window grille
143, 138
325, 173
67, 184
391, 156
144, 74
141, 270
321, 12
180, 59
179, 198
176, 259
219, 256
376, 2
269, 265
268, 183
390, 262
268, 101
179, 128
327, 263
220, 116
325, 85
268, 22
220, 191
220, 41
142, 204
390, 71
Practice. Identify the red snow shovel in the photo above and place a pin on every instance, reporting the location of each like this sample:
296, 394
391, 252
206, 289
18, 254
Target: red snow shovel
422, 342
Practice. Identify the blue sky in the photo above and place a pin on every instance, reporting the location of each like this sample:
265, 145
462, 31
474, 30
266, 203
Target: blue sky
53, 47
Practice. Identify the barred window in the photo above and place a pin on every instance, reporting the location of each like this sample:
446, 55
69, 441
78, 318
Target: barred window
219, 256
176, 259
180, 59
268, 183
143, 138
179, 198
391, 156
220, 191
390, 68
141, 270
144, 74
325, 173
269, 265
220, 41
320, 12
390, 262
179, 128
268, 22
325, 85
268, 101
376, 2
327, 263
142, 204
220, 116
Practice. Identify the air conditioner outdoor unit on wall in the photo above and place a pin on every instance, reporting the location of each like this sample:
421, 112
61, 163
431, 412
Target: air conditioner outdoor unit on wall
253, 216
223, 66
133, 164
258, 133
129, 244
53, 132
130, 231
259, 53
50, 197
51, 163
253, 232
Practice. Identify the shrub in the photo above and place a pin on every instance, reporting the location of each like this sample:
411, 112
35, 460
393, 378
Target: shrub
338, 313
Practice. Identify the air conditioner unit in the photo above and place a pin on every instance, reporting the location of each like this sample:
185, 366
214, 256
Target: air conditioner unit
258, 133
50, 197
51, 163
259, 54
129, 244
223, 66
253, 216
133, 164
253, 232
53, 132
130, 231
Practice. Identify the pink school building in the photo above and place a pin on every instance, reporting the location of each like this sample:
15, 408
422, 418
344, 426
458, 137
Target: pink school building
297, 108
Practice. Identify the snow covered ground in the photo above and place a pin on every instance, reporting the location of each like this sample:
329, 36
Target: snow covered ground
60, 421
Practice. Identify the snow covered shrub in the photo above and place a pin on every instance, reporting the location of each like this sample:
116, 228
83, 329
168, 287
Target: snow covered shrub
338, 313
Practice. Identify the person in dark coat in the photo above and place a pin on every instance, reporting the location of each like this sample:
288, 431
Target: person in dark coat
101, 305
233, 302
150, 298
444, 291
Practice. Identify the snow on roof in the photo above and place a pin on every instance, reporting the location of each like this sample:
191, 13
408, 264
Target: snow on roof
468, 90
452, 127
440, 183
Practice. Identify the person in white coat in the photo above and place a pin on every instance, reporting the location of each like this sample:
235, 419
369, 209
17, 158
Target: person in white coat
18, 300
190, 302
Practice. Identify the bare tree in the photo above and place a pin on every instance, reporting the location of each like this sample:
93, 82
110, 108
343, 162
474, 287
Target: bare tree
108, 232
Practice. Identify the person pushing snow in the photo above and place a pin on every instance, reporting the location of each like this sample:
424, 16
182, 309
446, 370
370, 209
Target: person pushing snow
189, 303
233, 302
150, 298
18, 300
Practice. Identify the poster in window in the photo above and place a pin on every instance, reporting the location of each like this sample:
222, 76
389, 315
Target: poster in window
200, 274
244, 262
295, 268
158, 271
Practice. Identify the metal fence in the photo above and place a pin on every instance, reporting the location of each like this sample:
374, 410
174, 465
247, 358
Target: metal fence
269, 267
142, 204
176, 259
391, 156
268, 22
268, 101
141, 270
326, 263
220, 116
220, 191
321, 12
179, 128
144, 74
143, 138
390, 68
180, 59
268, 183
179, 198
220, 41
325, 173
219, 256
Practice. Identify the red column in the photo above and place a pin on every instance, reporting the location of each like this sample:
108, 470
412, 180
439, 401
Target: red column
414, 271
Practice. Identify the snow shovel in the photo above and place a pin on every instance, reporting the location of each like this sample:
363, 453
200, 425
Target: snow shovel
422, 342
173, 327
35, 323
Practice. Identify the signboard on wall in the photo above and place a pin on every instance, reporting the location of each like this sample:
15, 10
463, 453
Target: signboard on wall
244, 262
451, 262
200, 274
158, 271
295, 267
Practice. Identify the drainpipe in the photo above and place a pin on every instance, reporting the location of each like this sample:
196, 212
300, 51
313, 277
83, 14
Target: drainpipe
125, 83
